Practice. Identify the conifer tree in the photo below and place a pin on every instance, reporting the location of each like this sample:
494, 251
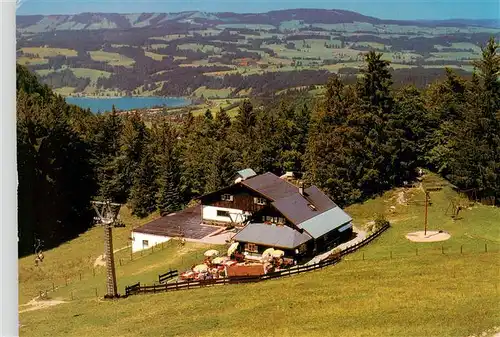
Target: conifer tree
222, 124
169, 194
333, 158
144, 187
107, 145
208, 115
376, 122
245, 119
221, 169
469, 151
133, 140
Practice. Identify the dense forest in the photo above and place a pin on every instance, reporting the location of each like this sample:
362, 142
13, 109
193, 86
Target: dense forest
356, 141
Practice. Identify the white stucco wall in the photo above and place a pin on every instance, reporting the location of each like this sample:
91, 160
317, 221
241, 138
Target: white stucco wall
153, 240
209, 213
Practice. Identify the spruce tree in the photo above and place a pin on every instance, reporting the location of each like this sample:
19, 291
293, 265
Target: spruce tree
169, 197
144, 188
376, 120
133, 140
169, 194
208, 115
469, 154
222, 124
334, 157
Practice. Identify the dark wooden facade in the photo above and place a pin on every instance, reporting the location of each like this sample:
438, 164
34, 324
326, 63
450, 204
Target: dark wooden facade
243, 199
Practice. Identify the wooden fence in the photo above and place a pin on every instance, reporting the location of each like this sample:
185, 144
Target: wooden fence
138, 288
366, 241
332, 260
162, 278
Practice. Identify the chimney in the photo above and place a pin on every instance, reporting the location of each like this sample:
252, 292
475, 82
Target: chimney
301, 188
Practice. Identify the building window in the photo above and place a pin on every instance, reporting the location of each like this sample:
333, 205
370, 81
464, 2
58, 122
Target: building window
251, 247
274, 219
145, 243
227, 197
260, 201
223, 213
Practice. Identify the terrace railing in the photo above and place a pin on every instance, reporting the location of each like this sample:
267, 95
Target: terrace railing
162, 278
174, 286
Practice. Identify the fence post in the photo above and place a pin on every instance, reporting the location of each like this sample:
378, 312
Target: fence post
53, 287
442, 249
391, 254
485, 247
461, 249
93, 271
96, 293
120, 262
80, 276
66, 282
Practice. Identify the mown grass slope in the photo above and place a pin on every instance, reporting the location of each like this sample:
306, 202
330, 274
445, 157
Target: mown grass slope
367, 294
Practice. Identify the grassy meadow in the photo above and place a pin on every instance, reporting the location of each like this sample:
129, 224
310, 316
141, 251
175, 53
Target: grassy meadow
367, 294
113, 59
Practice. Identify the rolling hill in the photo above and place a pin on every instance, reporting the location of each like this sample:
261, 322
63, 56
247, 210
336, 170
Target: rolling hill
385, 289
176, 54
95, 21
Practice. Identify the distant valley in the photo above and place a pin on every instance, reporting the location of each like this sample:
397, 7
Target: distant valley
231, 55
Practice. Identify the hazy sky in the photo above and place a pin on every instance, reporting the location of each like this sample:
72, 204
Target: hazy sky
387, 9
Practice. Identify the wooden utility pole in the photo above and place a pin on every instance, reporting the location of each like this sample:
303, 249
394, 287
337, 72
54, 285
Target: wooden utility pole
106, 217
426, 203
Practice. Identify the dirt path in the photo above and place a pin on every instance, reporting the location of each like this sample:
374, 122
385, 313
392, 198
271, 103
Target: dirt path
37, 304
101, 262
361, 235
402, 198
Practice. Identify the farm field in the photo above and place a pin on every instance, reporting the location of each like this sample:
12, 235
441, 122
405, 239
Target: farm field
94, 75
65, 91
212, 93
25, 61
155, 56
44, 52
211, 55
369, 293
111, 58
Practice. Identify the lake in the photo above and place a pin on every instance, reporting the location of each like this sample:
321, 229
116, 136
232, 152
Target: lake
100, 104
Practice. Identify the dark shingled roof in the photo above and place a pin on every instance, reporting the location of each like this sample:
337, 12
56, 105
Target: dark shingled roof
295, 208
319, 199
270, 186
189, 221
272, 236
